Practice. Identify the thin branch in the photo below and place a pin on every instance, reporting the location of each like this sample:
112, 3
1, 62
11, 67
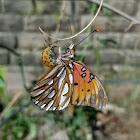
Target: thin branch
113, 9
81, 30
131, 24
14, 113
14, 99
19, 62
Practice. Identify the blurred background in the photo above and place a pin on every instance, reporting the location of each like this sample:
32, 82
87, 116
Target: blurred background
112, 53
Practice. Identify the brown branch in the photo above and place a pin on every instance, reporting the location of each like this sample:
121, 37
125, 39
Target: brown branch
131, 24
10, 104
113, 9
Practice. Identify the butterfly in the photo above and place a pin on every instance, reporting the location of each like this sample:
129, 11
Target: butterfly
67, 81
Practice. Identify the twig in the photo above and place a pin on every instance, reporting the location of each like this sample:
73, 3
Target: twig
19, 62
113, 9
81, 30
131, 24
9, 105
14, 113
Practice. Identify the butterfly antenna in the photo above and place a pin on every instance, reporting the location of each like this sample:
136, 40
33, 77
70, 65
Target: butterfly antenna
86, 37
70, 27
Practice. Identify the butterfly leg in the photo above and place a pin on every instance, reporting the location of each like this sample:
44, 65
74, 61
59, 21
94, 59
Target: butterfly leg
59, 52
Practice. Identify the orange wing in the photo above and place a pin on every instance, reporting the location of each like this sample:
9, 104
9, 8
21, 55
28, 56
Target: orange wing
88, 90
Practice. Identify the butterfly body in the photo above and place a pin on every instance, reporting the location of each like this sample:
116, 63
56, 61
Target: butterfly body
47, 59
67, 81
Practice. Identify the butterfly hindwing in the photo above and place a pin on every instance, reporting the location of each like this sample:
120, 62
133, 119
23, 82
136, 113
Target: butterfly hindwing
53, 91
88, 90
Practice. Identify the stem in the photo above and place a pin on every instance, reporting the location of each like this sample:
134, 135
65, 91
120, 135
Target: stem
19, 62
113, 9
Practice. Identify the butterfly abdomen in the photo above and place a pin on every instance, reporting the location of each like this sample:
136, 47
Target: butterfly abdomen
47, 59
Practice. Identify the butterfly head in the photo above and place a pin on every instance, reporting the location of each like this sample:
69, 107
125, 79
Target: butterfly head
71, 49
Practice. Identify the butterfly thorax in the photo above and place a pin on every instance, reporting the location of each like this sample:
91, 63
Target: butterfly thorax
60, 59
69, 55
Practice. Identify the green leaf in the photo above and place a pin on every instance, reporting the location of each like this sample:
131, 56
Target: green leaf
31, 127
97, 55
33, 130
106, 41
2, 82
80, 57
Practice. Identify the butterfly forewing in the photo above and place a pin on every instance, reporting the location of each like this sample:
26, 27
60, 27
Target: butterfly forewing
53, 91
88, 90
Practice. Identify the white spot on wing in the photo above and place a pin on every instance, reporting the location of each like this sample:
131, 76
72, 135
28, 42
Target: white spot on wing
48, 90
61, 79
49, 105
43, 81
83, 69
36, 102
38, 93
71, 78
51, 94
62, 100
65, 90
59, 73
53, 71
39, 103
54, 108
66, 58
50, 82
66, 104
42, 106
36, 87
100, 103
70, 65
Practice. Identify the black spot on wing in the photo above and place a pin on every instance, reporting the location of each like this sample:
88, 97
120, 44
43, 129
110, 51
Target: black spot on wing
75, 84
83, 75
91, 77
88, 90
83, 69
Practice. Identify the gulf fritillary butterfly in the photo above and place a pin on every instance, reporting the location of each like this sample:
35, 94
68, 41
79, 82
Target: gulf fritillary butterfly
67, 81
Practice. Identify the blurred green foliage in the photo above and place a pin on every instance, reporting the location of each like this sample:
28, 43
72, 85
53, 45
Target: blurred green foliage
3, 95
25, 124
19, 126
106, 41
